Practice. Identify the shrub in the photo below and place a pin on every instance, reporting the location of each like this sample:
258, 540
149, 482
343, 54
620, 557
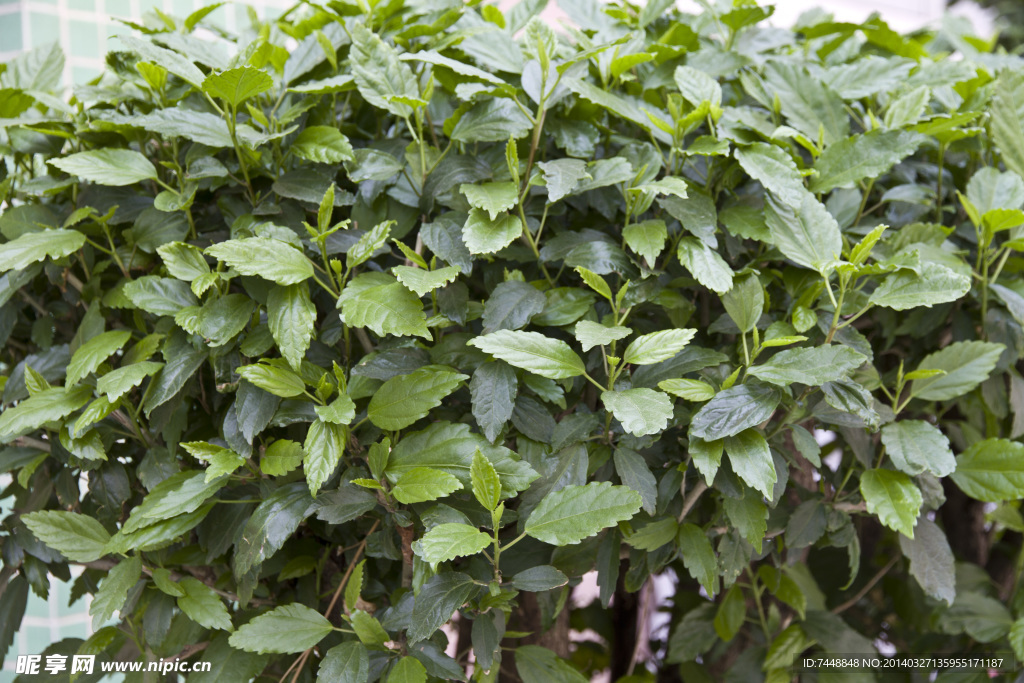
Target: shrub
382, 318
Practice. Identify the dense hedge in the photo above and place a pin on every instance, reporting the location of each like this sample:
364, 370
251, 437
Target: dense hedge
382, 317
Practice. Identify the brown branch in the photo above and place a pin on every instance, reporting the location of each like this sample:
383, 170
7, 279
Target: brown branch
867, 587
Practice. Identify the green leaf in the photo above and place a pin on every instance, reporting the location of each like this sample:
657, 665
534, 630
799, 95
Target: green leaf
893, 498
733, 410
183, 261
202, 605
422, 282
273, 523
276, 380
991, 470
698, 556
322, 145
437, 601
283, 630
264, 257
340, 411
228, 665
636, 474
485, 235
46, 406
485, 480
368, 630
382, 78
907, 109
807, 102
646, 238
180, 493
406, 398
281, 457
108, 166
31, 247
690, 389
806, 233
345, 663
291, 316
422, 484
1007, 114
774, 169
324, 446
641, 411
78, 537
536, 664
491, 120
408, 670
705, 264
749, 515
931, 560
511, 306
539, 579
905, 289
573, 513
168, 59
544, 356
93, 352
493, 388
561, 176
657, 346
811, 366
237, 85
595, 282
159, 295
915, 446
119, 382
374, 239
447, 541
966, 365
862, 156
114, 589
221, 460
494, 198
752, 460
461, 68
590, 334
381, 303
354, 587
162, 579
745, 302
730, 614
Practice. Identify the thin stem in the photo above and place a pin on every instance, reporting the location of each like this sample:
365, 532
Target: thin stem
839, 609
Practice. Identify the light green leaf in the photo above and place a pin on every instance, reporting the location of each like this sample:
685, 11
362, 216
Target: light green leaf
180, 493
532, 351
281, 457
893, 498
1007, 117
907, 109
340, 411
119, 382
590, 334
751, 459
406, 398
862, 156
114, 589
484, 235
705, 264
46, 406
745, 302
595, 282
697, 87
807, 102
237, 85
561, 176
491, 120
183, 261
690, 389
159, 295
322, 145
646, 238
268, 258
641, 411
657, 346
168, 59
345, 663
78, 537
276, 380
220, 460
573, 513
368, 630
422, 282
811, 366
324, 446
381, 303
494, 198
93, 352
966, 365
485, 480
31, 247
107, 166
915, 446
202, 605
749, 515
806, 233
283, 630
698, 556
935, 285
774, 169
382, 78
421, 484
291, 316
374, 239
447, 541
461, 68
408, 670
991, 470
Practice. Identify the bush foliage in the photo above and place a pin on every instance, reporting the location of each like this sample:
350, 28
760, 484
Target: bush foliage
382, 317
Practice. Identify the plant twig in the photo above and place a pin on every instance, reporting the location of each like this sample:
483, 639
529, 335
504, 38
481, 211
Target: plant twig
867, 587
